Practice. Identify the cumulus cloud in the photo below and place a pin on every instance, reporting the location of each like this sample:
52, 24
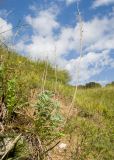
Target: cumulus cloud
50, 40
5, 26
68, 2
89, 65
44, 23
98, 3
48, 34
98, 35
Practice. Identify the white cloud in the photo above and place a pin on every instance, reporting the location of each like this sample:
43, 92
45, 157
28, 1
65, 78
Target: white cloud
104, 43
98, 40
98, 3
89, 65
5, 26
44, 23
68, 2
98, 35
44, 38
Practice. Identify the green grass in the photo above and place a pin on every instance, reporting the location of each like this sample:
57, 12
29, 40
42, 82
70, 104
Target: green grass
93, 124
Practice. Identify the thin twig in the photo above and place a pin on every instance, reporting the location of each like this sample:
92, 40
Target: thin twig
55, 89
13, 28
51, 148
76, 88
44, 78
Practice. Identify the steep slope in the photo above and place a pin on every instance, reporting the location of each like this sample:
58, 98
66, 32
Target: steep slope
35, 102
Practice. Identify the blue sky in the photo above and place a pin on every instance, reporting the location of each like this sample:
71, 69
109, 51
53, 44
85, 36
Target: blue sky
53, 33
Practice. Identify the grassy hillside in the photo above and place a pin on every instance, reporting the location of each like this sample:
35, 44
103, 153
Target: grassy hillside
89, 131
92, 127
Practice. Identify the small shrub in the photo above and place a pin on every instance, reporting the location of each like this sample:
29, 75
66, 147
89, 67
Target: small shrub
48, 117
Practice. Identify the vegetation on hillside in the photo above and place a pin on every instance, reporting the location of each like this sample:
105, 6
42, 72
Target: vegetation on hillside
30, 109
36, 107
